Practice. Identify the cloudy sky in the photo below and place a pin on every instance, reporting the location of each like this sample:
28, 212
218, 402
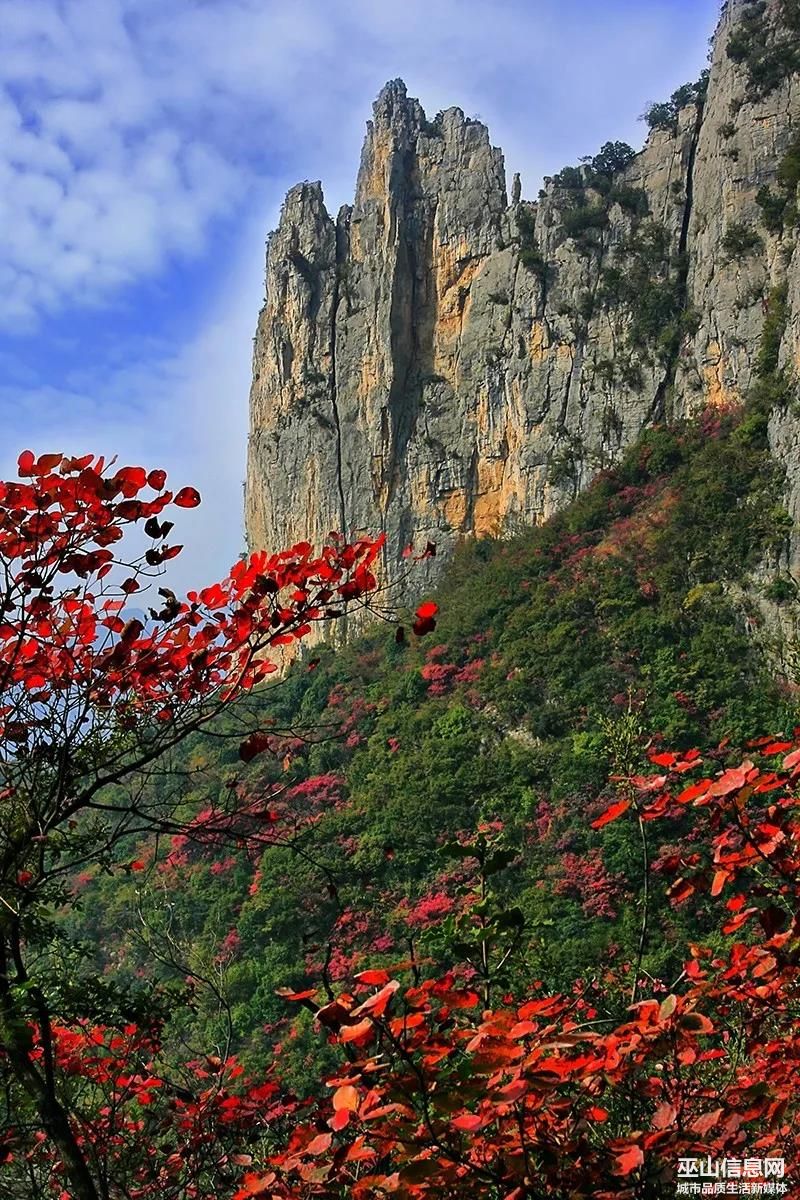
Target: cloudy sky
145, 148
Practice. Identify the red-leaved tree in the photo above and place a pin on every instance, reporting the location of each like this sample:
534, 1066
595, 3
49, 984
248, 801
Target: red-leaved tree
97, 686
551, 1096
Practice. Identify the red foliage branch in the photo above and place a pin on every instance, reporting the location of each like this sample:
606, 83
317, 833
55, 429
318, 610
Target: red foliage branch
93, 692
545, 1098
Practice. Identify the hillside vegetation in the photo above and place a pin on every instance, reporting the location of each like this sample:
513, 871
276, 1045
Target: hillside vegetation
466, 769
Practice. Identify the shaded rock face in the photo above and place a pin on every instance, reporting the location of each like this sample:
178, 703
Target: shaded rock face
437, 363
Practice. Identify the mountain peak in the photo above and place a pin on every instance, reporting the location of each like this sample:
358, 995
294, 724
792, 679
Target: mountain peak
439, 365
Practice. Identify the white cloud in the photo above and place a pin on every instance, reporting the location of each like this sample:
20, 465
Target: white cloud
128, 127
149, 403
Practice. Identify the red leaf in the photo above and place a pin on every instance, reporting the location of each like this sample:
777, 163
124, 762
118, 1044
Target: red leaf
738, 921
47, 462
131, 479
187, 497
319, 1144
255, 1185
664, 1116
720, 879
629, 1160
694, 791
468, 1122
25, 462
254, 745
695, 1022
427, 610
378, 1003
776, 748
681, 890
611, 814
340, 1120
345, 1097
373, 978
421, 627
707, 1122
357, 1033
157, 479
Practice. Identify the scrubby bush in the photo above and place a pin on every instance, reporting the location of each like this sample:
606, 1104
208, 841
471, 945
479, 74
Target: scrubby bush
740, 240
664, 114
769, 53
779, 209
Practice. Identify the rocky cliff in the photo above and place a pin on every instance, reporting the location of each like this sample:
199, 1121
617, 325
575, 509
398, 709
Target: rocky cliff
439, 363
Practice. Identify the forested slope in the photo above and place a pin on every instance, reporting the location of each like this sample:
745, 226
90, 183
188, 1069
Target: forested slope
632, 621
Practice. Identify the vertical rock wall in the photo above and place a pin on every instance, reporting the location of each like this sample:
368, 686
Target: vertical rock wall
438, 363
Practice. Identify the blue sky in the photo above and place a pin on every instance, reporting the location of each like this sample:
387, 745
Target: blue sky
145, 148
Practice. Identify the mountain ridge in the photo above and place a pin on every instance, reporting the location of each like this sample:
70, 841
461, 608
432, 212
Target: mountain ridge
436, 363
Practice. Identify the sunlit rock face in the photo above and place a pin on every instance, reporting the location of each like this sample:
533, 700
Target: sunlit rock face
437, 363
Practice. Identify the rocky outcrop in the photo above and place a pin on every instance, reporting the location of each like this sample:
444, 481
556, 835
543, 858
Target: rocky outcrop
438, 363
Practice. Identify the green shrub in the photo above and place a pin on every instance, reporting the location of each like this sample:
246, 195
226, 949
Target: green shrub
661, 116
648, 282
583, 219
773, 331
612, 158
664, 115
632, 199
739, 240
774, 386
596, 171
781, 591
789, 168
769, 53
773, 209
586, 305
751, 28
779, 209
598, 174
535, 262
564, 465
631, 373
570, 179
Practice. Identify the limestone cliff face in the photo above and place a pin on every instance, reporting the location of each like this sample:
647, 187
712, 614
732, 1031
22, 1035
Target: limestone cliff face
439, 363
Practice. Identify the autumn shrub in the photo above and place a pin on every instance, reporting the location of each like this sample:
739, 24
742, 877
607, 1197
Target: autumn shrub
97, 689
584, 1092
